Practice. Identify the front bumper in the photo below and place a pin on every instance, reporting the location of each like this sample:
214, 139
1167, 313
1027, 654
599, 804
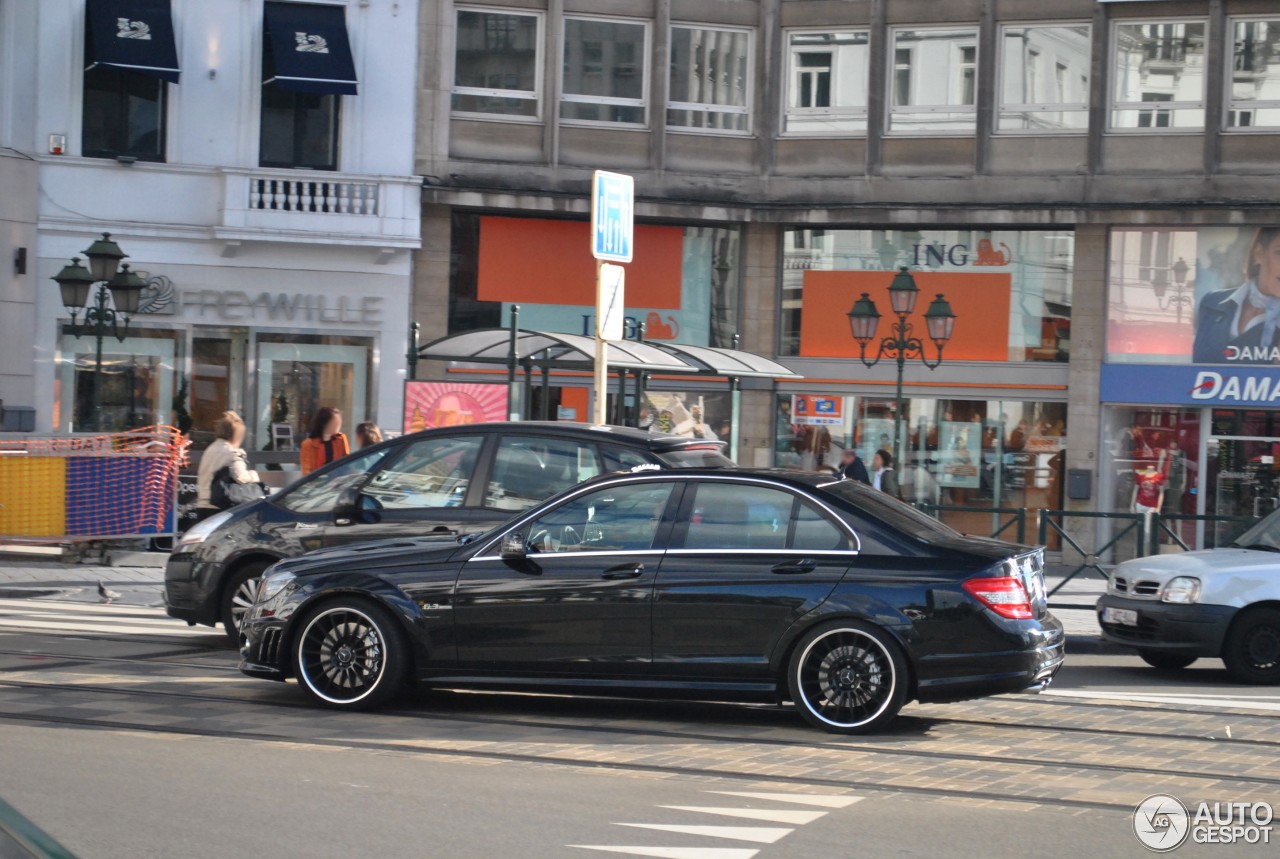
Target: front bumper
262, 653
1030, 666
1194, 630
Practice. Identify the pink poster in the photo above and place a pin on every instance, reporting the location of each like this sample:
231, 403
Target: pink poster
449, 404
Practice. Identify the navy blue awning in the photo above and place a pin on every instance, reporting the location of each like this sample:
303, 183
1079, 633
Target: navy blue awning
308, 49
132, 34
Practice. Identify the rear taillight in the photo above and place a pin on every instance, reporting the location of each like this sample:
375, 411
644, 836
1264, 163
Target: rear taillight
1004, 595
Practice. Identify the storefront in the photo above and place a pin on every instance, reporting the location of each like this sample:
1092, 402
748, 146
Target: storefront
980, 433
1190, 390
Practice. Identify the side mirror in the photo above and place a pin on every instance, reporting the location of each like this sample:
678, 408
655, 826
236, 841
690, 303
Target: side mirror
347, 510
513, 547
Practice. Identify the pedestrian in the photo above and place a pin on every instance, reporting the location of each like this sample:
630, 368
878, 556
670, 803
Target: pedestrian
852, 466
324, 442
884, 477
367, 433
224, 452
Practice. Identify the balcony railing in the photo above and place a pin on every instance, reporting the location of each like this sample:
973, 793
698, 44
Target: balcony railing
308, 195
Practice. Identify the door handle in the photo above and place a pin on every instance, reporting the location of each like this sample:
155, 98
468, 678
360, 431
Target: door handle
804, 565
623, 571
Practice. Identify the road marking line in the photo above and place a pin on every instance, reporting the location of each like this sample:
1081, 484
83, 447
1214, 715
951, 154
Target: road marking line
773, 815
99, 618
823, 800
676, 852
63, 605
35, 625
756, 834
1185, 700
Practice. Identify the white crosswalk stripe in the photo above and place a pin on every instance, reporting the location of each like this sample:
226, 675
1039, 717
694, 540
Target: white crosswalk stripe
89, 619
755, 834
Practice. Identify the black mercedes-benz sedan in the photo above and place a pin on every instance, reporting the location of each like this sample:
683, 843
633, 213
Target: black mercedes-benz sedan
720, 584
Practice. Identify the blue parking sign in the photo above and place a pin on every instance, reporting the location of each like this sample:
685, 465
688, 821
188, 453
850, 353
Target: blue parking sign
612, 216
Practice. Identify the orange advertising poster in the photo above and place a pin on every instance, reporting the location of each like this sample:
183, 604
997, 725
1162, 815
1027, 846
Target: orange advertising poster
449, 404
979, 300
540, 261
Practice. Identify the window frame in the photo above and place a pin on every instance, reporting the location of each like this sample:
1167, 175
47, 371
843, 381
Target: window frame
539, 61
563, 97
750, 85
834, 112
1115, 106
1232, 105
954, 84
1002, 107
336, 134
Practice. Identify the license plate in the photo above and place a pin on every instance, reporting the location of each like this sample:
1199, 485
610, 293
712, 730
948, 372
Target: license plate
1122, 616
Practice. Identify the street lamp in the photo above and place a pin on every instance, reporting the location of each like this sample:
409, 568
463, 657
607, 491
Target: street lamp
1180, 297
125, 287
864, 318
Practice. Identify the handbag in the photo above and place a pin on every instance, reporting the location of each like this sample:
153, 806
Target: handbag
225, 492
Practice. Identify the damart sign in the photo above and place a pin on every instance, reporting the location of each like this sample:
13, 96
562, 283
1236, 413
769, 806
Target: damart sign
1142, 384
311, 308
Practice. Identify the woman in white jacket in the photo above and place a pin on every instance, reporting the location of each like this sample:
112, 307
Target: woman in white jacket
224, 452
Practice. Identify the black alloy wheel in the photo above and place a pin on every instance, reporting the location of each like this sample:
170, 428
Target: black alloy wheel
848, 678
1166, 661
350, 654
1252, 647
238, 596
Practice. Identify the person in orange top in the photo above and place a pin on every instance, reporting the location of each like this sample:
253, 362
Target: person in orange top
324, 442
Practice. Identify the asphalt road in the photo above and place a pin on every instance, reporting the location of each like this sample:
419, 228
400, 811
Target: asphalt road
124, 735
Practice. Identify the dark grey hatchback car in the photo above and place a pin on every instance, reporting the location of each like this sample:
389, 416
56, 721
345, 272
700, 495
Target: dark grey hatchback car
439, 482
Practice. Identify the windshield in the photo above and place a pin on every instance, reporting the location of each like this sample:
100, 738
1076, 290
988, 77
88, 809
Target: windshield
1264, 534
696, 456
890, 511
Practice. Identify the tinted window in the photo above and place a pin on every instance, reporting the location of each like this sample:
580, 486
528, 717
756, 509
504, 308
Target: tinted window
814, 532
625, 459
434, 472
620, 518
738, 516
696, 456
320, 494
528, 469
889, 511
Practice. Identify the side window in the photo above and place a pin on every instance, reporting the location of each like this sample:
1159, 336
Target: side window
734, 516
815, 532
320, 494
625, 459
617, 519
431, 473
529, 469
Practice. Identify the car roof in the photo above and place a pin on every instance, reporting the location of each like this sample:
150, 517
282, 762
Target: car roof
801, 479
568, 429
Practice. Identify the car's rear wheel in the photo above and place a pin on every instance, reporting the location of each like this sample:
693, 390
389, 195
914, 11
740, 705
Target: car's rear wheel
350, 654
238, 597
1166, 661
848, 678
1252, 647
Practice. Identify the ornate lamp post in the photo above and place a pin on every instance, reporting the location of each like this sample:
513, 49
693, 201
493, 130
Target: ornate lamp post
901, 345
125, 290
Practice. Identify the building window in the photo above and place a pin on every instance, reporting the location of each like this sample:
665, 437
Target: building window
299, 129
604, 71
710, 79
1030, 98
1255, 74
1158, 71
496, 65
827, 88
934, 81
123, 114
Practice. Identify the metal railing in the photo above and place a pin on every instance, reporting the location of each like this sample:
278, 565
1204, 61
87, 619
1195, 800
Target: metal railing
1017, 517
1055, 520
1162, 522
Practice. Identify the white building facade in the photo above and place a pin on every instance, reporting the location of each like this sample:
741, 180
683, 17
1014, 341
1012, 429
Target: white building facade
254, 159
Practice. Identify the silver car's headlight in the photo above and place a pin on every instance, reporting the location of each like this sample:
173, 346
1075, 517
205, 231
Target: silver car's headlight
200, 532
1181, 589
273, 584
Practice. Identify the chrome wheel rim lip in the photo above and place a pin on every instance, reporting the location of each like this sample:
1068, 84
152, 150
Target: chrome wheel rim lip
350, 653
242, 600
847, 677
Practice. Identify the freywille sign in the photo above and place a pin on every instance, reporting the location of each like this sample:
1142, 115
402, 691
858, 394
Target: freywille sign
239, 306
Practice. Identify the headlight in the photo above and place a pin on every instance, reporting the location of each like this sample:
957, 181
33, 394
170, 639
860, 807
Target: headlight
1181, 589
274, 584
200, 532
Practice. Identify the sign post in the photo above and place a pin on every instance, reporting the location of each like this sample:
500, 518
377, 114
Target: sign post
612, 231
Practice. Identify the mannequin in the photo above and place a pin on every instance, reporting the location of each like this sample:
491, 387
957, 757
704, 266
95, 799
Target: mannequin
1148, 490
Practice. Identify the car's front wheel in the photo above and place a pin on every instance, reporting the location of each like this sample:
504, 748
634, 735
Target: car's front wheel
350, 654
238, 596
1165, 661
848, 677
1252, 647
